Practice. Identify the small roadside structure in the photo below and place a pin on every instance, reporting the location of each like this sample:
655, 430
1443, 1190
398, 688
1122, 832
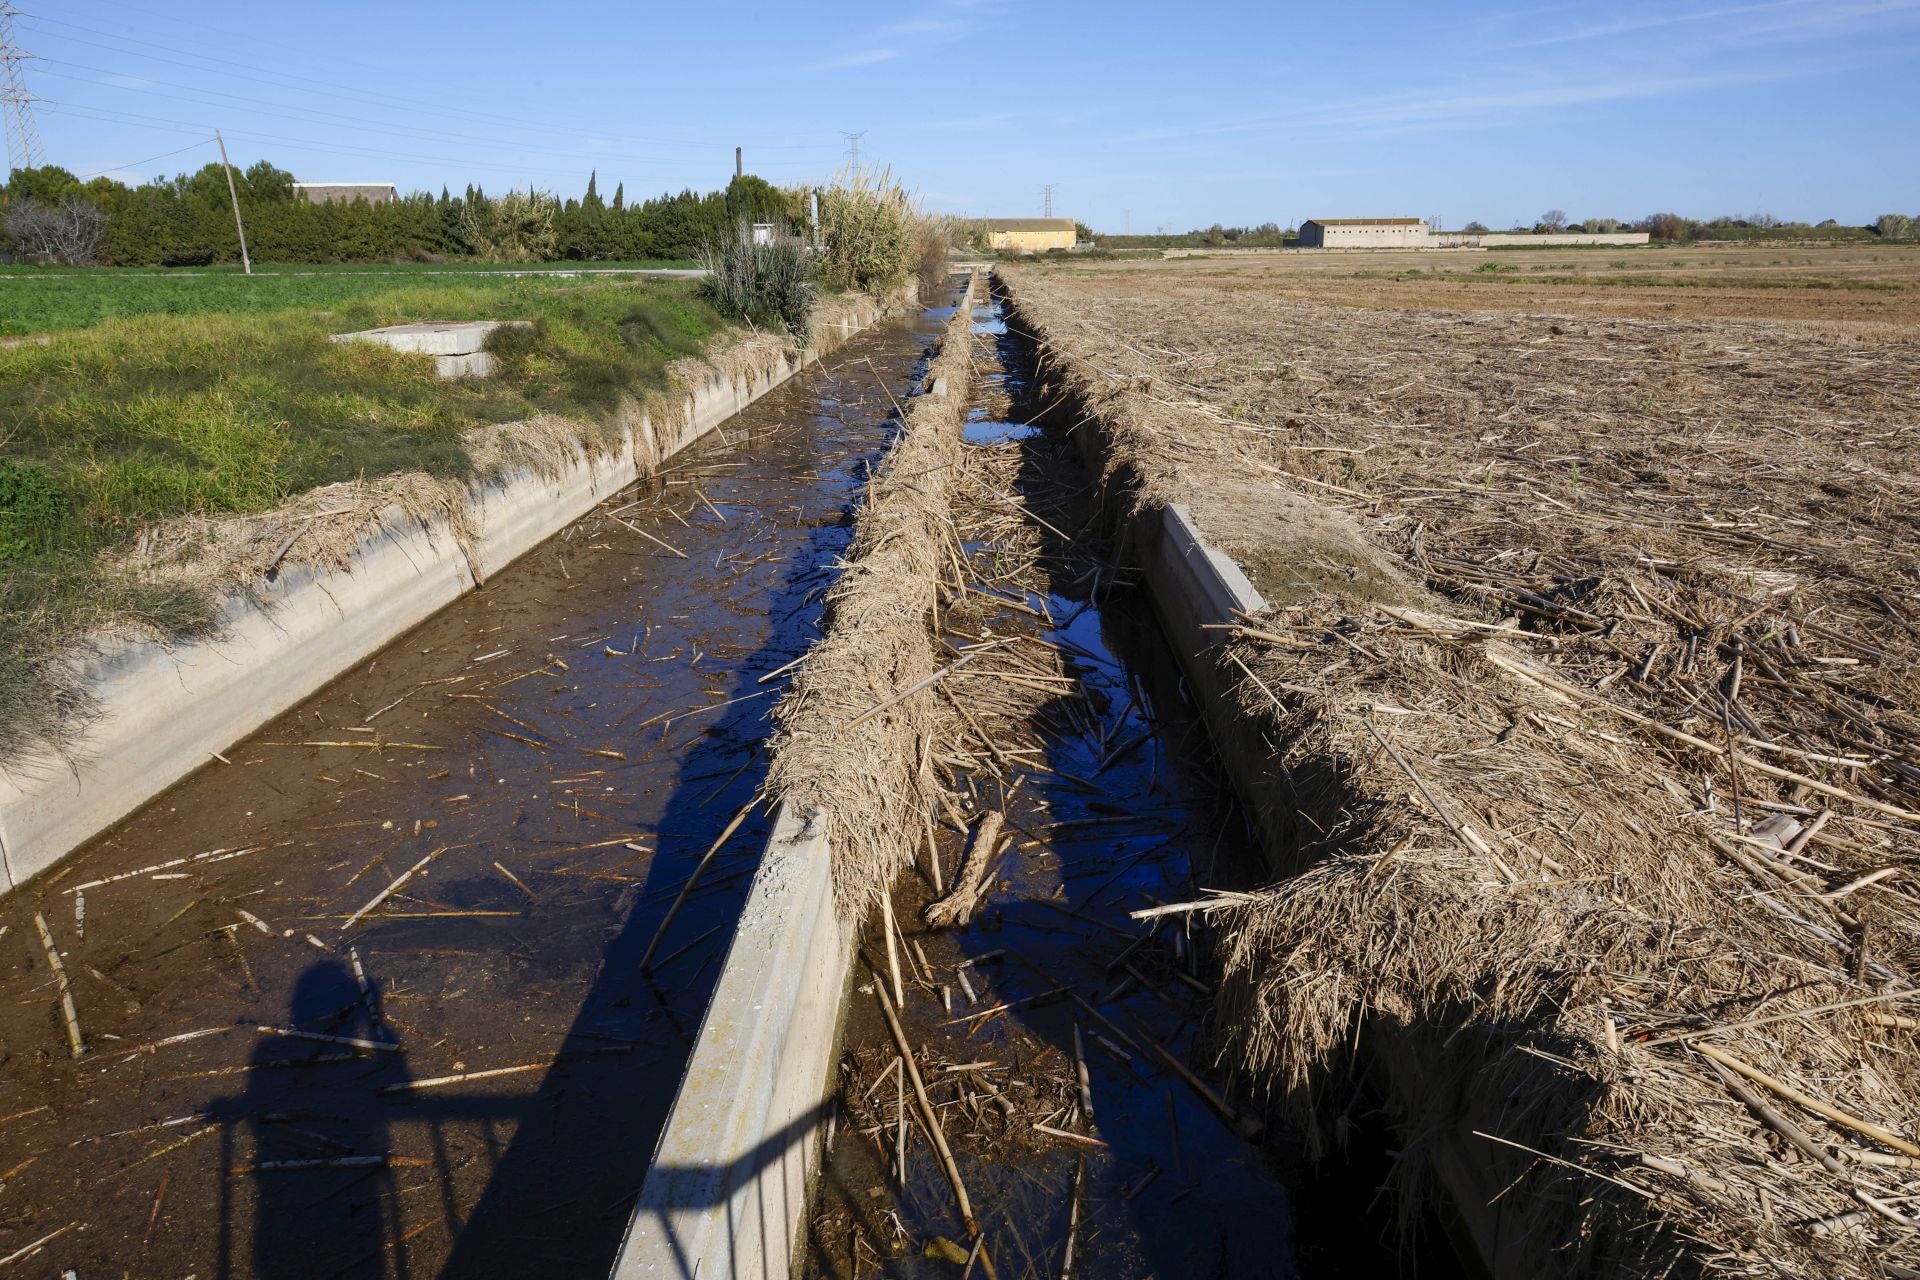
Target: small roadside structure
458, 347
347, 192
1364, 233
1029, 235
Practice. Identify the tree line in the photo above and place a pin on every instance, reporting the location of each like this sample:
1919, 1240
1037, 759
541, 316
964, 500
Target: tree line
49, 214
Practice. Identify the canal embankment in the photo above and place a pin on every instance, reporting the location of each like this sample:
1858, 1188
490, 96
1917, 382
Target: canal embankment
406, 981
310, 589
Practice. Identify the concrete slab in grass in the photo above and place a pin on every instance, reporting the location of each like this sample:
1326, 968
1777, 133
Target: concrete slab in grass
726, 1195
449, 340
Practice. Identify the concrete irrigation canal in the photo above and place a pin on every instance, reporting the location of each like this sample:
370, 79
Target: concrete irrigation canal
748, 880
368, 997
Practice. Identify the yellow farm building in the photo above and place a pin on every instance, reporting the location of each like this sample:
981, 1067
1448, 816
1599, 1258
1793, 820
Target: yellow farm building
1029, 235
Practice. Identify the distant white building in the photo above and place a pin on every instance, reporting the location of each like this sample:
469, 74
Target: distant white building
1364, 233
347, 192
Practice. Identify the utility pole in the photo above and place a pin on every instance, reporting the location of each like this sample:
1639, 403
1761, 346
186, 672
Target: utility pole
23, 135
1126, 221
853, 148
737, 165
233, 194
1046, 197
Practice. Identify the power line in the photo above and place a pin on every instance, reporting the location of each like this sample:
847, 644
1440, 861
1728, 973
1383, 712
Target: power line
24, 150
135, 164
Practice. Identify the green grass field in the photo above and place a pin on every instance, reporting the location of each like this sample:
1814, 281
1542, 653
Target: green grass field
36, 300
108, 428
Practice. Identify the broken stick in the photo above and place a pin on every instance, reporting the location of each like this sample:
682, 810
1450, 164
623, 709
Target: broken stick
969, 886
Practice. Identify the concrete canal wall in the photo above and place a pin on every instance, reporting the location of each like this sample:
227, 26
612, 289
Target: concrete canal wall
165, 710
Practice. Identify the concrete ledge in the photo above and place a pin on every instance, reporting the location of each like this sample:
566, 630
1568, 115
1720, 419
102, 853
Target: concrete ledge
726, 1194
434, 337
166, 710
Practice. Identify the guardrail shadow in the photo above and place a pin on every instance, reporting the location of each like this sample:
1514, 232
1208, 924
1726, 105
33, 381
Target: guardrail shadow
682, 1189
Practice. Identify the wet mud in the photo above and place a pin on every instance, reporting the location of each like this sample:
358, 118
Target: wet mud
365, 998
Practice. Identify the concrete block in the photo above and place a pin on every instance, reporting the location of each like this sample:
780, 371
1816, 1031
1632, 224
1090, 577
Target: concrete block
474, 364
434, 337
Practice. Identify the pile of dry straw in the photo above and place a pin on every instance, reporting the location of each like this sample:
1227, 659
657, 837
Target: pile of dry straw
852, 740
1591, 761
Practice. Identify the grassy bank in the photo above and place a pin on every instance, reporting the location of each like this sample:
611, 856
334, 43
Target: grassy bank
107, 429
35, 300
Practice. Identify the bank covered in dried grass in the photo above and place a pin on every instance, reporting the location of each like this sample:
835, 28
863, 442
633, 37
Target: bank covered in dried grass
856, 732
1582, 739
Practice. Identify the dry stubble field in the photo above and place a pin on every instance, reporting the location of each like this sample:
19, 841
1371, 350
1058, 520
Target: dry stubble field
1589, 683
1844, 287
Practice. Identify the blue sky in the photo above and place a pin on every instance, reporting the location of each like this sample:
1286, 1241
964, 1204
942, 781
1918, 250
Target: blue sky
1141, 115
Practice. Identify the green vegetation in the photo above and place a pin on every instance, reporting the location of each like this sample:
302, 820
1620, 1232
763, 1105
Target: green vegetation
54, 299
869, 231
143, 418
138, 419
768, 282
47, 214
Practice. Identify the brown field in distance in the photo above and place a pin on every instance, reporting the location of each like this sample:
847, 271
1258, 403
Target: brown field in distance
1847, 286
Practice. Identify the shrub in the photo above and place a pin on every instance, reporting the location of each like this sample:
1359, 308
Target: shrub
518, 227
868, 231
765, 282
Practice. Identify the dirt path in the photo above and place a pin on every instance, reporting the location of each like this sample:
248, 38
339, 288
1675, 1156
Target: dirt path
521, 784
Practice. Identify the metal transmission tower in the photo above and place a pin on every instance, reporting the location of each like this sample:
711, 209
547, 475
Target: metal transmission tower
853, 148
1046, 198
23, 135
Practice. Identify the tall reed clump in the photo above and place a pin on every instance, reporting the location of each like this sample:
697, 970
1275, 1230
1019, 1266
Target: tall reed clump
765, 282
869, 231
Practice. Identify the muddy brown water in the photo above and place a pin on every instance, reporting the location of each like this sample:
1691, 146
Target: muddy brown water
1127, 809
562, 745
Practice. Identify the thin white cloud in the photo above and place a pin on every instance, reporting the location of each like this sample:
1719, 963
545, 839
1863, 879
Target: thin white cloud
943, 22
1787, 16
1650, 22
858, 58
1435, 110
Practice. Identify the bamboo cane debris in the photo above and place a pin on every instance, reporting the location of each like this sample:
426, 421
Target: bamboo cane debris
76, 1043
387, 892
930, 1118
27, 1251
354, 1042
1903, 1145
971, 881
